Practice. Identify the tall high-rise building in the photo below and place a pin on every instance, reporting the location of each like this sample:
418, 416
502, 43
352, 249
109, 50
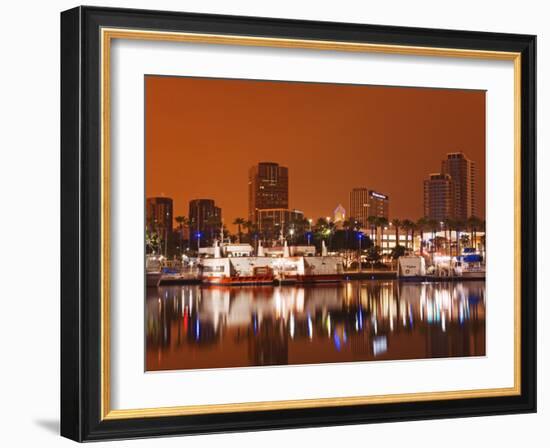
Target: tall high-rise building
364, 203
204, 218
379, 204
159, 215
267, 188
439, 197
462, 172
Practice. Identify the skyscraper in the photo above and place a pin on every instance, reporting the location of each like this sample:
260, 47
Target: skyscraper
159, 215
450, 194
204, 218
379, 204
439, 197
364, 203
462, 172
267, 188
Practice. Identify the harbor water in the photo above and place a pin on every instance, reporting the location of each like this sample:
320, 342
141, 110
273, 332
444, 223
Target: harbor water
197, 327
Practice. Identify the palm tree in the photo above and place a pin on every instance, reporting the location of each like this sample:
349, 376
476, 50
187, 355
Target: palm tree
239, 222
474, 224
459, 226
383, 223
331, 229
407, 224
433, 225
373, 223
396, 223
448, 225
422, 225
249, 227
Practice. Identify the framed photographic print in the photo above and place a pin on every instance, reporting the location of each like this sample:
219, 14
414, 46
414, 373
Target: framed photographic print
273, 223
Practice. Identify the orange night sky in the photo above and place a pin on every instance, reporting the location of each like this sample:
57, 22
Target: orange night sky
202, 135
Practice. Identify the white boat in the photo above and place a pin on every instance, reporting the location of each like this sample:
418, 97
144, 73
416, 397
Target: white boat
469, 265
269, 270
153, 271
411, 267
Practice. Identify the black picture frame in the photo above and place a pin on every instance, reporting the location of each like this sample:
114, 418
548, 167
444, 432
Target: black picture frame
81, 228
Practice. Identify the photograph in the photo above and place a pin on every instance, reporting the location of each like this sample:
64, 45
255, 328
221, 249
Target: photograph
294, 223
281, 222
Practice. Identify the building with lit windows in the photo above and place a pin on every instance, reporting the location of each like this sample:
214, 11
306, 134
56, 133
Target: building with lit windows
205, 218
462, 172
450, 194
439, 197
364, 203
267, 188
159, 215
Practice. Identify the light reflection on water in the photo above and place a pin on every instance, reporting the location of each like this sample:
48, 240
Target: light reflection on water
193, 327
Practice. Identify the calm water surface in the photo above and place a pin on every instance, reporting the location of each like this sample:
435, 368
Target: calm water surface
195, 327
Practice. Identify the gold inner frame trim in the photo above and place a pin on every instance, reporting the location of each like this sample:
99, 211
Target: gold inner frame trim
107, 35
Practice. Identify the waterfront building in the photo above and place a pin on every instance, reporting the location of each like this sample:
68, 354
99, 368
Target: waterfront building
271, 222
364, 203
462, 172
205, 220
267, 188
159, 215
439, 197
388, 240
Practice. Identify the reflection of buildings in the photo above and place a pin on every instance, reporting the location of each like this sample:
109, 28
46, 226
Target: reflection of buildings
450, 194
204, 218
267, 188
159, 215
270, 346
364, 203
194, 327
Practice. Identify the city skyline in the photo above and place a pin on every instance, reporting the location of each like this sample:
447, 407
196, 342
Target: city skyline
328, 150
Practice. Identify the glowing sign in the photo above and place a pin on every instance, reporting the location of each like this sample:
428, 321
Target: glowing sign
376, 195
